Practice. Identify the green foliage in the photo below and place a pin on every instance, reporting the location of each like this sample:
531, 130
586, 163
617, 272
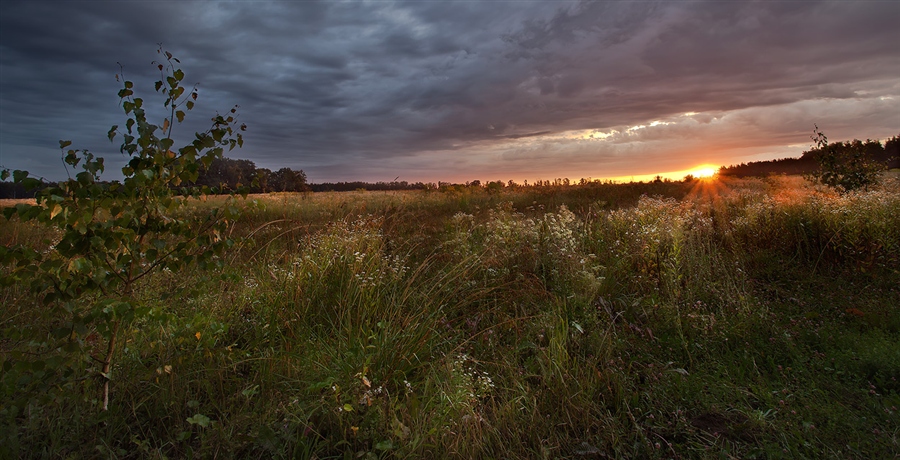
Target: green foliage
110, 236
845, 166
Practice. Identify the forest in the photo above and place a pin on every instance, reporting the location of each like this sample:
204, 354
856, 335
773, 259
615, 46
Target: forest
887, 154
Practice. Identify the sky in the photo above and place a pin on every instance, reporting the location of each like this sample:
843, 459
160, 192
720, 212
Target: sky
457, 91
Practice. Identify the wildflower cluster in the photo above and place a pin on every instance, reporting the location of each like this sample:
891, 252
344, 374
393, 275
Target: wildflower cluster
857, 226
353, 249
466, 387
652, 236
508, 242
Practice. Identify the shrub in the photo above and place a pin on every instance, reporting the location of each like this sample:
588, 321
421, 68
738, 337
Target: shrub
111, 236
845, 166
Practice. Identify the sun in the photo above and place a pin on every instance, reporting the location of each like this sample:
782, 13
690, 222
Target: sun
704, 171
707, 189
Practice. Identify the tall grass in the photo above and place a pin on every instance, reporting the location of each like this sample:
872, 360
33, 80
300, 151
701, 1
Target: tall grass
738, 319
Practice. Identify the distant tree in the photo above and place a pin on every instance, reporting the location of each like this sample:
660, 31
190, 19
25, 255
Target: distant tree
261, 184
495, 186
845, 166
227, 173
16, 190
288, 180
892, 152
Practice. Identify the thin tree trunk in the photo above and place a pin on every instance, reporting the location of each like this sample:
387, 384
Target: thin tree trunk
107, 362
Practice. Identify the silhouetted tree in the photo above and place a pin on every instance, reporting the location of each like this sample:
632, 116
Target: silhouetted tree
227, 173
288, 180
892, 152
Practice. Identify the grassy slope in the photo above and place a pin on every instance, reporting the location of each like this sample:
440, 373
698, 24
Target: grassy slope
738, 319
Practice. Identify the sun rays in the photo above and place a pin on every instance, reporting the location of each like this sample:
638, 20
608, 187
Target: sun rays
707, 187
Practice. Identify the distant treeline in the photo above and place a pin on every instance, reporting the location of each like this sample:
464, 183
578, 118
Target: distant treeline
229, 174
11, 190
887, 154
357, 185
223, 174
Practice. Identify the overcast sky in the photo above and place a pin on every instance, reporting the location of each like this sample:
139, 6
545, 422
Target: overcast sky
456, 91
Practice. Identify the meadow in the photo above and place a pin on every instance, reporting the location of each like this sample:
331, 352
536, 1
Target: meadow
713, 318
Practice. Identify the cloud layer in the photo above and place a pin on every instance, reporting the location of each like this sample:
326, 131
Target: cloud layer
462, 90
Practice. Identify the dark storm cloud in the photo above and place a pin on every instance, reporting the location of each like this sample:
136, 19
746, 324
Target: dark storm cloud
356, 90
